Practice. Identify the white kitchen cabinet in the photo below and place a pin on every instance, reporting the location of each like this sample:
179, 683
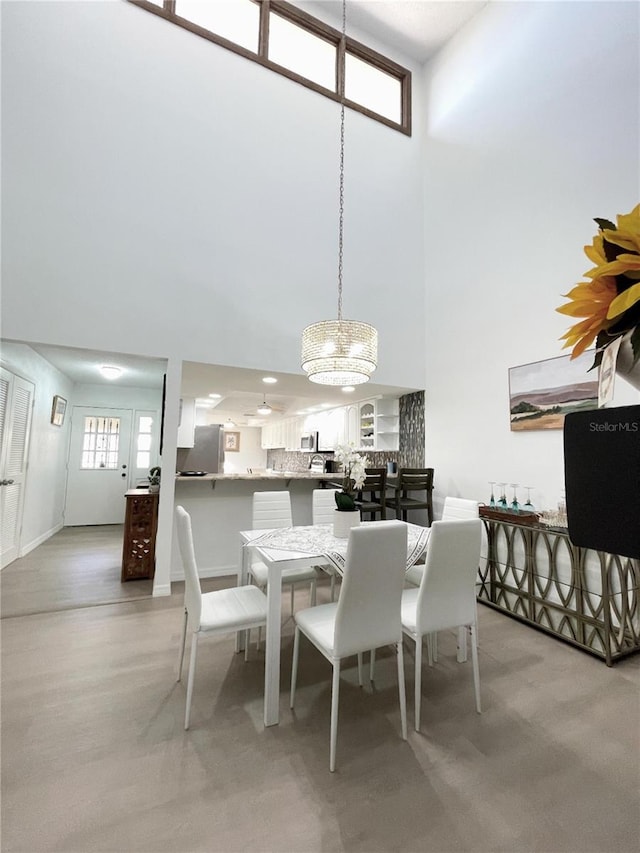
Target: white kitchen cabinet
378, 424
347, 425
387, 423
187, 425
367, 425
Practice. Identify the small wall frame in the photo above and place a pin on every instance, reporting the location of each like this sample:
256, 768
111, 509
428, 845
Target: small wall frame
231, 442
58, 409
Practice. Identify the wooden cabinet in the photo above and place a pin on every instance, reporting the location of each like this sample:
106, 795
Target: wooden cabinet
140, 525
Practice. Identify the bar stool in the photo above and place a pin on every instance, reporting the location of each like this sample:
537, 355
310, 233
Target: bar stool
413, 480
372, 497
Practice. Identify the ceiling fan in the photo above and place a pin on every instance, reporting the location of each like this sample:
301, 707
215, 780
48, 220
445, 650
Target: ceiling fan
264, 409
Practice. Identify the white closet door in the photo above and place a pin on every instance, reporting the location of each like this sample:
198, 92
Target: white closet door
16, 403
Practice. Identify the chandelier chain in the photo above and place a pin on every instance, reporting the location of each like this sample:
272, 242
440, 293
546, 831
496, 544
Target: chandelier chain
341, 217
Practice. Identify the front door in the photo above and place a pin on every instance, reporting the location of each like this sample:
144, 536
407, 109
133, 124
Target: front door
16, 404
98, 473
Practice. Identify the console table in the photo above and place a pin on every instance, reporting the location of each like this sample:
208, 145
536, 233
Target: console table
590, 599
140, 524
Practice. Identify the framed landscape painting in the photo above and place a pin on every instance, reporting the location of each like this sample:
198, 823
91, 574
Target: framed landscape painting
542, 393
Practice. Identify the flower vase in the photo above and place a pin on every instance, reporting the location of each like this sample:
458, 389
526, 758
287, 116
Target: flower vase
344, 521
625, 367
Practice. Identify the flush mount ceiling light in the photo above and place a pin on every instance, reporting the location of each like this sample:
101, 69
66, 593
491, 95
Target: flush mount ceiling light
270, 380
264, 408
110, 372
340, 352
215, 396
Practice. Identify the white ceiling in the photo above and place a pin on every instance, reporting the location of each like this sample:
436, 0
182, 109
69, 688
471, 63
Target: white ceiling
242, 390
418, 28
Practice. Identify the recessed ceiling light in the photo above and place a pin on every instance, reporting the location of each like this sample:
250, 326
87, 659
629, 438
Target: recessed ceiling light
215, 396
347, 389
110, 372
270, 380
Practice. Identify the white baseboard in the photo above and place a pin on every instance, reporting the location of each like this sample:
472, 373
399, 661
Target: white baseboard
207, 572
25, 549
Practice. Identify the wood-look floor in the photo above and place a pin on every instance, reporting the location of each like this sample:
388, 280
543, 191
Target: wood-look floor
95, 757
78, 567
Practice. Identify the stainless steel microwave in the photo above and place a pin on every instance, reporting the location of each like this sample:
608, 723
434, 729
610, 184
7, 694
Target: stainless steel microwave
309, 441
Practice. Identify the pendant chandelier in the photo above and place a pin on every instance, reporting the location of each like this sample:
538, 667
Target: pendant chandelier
340, 352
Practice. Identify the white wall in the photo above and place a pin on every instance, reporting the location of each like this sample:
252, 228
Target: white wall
48, 445
533, 123
187, 198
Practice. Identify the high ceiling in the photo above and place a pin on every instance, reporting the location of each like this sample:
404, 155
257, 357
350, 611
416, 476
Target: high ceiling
418, 28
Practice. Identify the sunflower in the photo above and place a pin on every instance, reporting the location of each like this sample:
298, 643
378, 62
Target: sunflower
591, 299
610, 301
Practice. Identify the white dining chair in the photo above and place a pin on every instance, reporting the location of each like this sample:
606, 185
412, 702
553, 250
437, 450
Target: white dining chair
323, 506
452, 510
446, 597
223, 611
272, 510
367, 614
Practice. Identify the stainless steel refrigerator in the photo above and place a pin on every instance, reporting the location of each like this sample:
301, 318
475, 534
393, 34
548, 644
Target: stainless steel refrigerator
207, 453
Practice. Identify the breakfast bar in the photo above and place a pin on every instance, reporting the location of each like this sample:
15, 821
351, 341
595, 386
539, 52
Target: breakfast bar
220, 506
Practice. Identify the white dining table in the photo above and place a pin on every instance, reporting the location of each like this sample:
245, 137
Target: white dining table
296, 547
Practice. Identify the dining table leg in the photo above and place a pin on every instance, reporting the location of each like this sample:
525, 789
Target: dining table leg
272, 646
462, 645
243, 574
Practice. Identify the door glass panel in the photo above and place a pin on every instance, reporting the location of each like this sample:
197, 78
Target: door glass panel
372, 88
100, 443
144, 442
303, 52
236, 20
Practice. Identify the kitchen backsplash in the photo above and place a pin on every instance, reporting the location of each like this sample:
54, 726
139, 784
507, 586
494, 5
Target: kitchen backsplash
412, 430
292, 460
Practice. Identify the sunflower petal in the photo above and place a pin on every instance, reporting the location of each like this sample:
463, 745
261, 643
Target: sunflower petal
624, 301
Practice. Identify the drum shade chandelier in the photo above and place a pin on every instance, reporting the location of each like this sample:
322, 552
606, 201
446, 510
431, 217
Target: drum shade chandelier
340, 352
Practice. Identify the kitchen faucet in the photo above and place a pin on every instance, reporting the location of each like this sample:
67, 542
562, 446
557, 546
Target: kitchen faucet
316, 460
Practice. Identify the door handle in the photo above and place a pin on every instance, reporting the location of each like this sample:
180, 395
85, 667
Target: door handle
123, 475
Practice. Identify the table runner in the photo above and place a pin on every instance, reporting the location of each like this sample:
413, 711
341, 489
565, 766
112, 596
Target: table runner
318, 540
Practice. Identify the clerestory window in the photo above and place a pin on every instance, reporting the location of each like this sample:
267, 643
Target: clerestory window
293, 43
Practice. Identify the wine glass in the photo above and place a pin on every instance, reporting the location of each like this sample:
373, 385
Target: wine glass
492, 499
515, 506
528, 505
502, 500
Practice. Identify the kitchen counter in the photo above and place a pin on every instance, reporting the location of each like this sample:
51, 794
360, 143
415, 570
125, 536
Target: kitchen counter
261, 475
221, 506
